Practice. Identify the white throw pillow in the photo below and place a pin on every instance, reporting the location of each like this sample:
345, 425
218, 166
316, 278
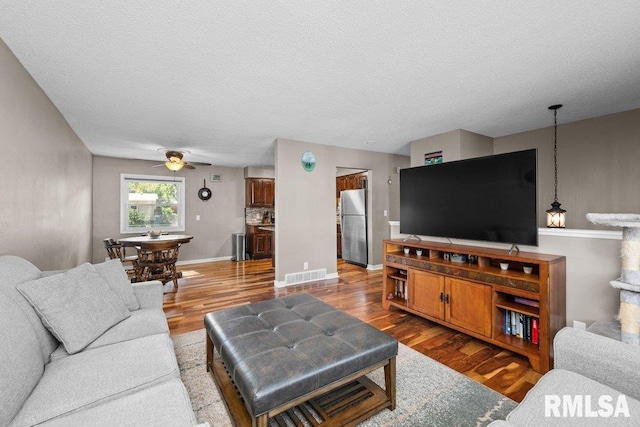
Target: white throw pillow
113, 273
76, 306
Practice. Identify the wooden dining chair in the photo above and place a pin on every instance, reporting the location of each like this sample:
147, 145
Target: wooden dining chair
157, 261
118, 251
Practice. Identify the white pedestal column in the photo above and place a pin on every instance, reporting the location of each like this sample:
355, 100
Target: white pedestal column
629, 281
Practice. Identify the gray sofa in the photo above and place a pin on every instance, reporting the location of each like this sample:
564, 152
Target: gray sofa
104, 358
588, 367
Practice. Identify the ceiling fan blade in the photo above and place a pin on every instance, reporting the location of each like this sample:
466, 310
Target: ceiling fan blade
188, 166
157, 166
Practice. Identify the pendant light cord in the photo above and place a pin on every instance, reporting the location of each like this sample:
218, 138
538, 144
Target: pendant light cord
555, 150
555, 155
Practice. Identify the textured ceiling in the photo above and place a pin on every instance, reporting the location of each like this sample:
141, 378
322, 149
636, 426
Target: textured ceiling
223, 79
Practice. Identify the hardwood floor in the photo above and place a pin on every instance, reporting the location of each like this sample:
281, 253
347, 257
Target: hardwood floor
211, 286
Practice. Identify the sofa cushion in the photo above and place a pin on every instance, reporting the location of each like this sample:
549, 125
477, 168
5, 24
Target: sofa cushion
113, 273
21, 364
141, 323
98, 375
558, 383
76, 306
149, 294
164, 404
16, 270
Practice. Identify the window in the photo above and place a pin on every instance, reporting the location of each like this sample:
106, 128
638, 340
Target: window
151, 203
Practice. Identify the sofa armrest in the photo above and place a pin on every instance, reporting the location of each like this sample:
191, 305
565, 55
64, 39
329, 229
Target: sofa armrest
605, 360
149, 294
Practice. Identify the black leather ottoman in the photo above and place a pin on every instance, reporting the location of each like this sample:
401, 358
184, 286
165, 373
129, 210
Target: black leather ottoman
282, 352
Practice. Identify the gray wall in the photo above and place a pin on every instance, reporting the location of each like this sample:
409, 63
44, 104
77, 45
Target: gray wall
220, 216
597, 172
46, 193
597, 165
305, 203
455, 145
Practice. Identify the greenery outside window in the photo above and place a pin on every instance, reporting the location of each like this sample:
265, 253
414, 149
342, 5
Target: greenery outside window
151, 203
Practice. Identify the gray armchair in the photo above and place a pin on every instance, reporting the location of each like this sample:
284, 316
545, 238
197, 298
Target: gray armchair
588, 367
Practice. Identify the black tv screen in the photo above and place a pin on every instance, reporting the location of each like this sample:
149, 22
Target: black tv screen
491, 198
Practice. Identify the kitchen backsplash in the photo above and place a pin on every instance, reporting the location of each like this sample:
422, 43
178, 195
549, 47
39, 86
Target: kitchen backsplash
259, 215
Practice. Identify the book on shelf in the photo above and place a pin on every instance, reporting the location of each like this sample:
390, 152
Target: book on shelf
526, 333
507, 322
526, 301
534, 330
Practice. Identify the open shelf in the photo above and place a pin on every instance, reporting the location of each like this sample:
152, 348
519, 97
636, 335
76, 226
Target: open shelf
519, 308
517, 344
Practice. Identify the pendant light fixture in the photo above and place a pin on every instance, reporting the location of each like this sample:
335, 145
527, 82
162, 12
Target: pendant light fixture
555, 215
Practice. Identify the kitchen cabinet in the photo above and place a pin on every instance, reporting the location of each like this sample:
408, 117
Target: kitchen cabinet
259, 242
353, 181
260, 192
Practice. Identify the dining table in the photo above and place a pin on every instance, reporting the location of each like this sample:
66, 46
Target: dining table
137, 240
162, 239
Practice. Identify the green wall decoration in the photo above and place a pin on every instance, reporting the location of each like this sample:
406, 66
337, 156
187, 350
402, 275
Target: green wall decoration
308, 161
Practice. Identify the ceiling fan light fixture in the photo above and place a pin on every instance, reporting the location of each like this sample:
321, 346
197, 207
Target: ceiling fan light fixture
174, 166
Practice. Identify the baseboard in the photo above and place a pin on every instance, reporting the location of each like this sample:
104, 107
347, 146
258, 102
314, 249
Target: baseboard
198, 261
374, 267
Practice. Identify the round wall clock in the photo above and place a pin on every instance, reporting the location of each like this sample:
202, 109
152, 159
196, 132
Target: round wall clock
308, 161
204, 193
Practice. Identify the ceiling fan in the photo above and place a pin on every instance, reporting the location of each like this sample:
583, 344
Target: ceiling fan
175, 163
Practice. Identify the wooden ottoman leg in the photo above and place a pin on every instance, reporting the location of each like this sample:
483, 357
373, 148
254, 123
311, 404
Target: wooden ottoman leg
209, 353
261, 421
390, 382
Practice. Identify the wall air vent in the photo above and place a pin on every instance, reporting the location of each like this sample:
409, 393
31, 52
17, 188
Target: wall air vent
305, 276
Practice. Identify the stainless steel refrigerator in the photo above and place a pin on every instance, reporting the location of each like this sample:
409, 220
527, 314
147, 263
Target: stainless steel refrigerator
353, 223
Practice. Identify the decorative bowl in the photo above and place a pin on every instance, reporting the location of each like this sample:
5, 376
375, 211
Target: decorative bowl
154, 234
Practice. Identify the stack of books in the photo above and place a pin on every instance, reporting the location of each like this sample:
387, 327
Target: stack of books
521, 325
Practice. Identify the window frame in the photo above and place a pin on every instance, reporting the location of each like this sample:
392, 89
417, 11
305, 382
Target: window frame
124, 199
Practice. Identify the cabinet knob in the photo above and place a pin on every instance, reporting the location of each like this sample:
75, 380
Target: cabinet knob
446, 299
441, 296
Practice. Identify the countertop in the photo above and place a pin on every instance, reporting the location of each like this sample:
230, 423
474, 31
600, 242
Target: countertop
267, 227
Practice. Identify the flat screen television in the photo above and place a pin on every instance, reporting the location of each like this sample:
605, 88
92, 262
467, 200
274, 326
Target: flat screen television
492, 198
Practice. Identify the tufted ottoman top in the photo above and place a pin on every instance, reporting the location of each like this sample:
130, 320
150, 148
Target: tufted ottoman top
280, 349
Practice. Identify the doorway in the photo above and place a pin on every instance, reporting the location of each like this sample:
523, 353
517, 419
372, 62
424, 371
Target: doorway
352, 218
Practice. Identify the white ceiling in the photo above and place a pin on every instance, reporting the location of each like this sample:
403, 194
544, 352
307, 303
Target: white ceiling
223, 79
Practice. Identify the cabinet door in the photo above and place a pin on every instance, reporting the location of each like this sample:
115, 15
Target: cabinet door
253, 193
262, 245
425, 290
269, 191
260, 192
469, 305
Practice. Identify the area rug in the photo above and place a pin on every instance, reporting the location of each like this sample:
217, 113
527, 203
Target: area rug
428, 393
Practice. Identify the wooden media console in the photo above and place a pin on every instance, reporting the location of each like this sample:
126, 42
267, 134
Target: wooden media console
464, 287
